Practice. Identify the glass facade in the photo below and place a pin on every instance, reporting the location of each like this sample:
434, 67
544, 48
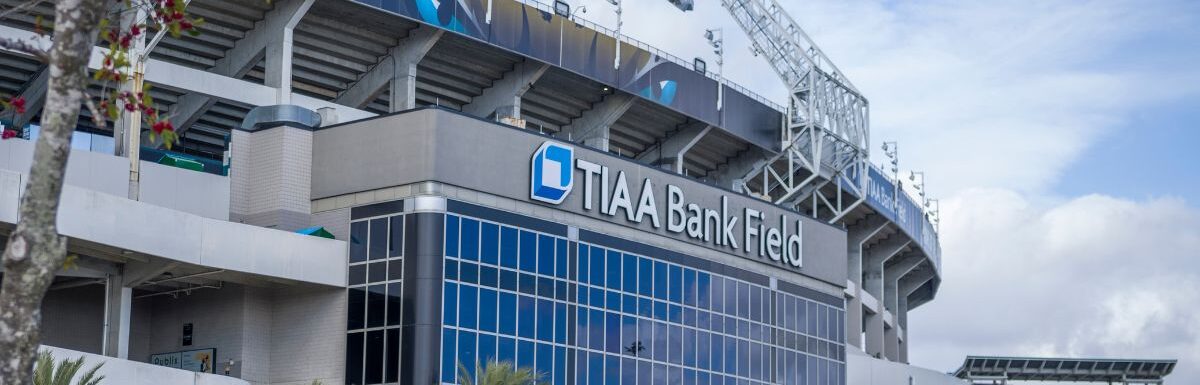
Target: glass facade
374, 300
584, 314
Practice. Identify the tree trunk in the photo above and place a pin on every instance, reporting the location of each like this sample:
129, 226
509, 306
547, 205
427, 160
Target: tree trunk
35, 251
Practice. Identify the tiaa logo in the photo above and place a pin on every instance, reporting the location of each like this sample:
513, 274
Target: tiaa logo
550, 176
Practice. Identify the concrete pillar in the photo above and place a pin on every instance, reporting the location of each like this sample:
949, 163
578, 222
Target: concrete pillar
873, 283
118, 304
593, 127
857, 234
404, 87
271, 168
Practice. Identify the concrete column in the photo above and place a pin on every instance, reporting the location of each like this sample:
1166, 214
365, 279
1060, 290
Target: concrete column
271, 168
857, 234
118, 304
894, 272
873, 283
404, 87
907, 285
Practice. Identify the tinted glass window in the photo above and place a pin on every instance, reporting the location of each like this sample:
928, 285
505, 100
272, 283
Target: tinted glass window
489, 243
358, 241
470, 239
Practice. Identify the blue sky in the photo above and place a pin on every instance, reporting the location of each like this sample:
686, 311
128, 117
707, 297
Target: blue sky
1156, 153
1061, 138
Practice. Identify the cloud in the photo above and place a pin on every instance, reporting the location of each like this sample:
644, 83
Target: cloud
995, 100
1093, 276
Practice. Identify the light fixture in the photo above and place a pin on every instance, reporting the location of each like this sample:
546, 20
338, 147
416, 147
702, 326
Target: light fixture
562, 8
699, 65
581, 9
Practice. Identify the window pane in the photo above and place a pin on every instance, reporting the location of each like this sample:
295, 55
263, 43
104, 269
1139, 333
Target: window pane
450, 303
545, 320
451, 236
689, 287
645, 277
545, 361
489, 243
449, 358
358, 241
528, 251
468, 272
466, 351
508, 313
396, 245
487, 310
395, 269
508, 247
596, 369
674, 343
393, 304
596, 329
508, 280
689, 347
393, 355
488, 276
377, 272
629, 283
525, 354
545, 255
675, 284
612, 333
470, 239
525, 316
614, 270
717, 290
487, 348
628, 371
468, 302
560, 323
629, 339
451, 269
506, 350
596, 269
358, 275
702, 350
376, 302
612, 370
660, 280
756, 298
354, 358
661, 351
374, 357
379, 240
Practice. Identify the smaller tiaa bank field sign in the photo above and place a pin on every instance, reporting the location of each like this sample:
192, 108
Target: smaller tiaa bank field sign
554, 170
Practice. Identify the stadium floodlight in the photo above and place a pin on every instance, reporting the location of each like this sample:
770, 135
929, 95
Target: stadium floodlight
699, 65
617, 57
716, 39
683, 5
562, 8
581, 9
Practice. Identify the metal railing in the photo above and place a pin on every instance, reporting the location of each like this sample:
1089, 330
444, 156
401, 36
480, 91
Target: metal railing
657, 52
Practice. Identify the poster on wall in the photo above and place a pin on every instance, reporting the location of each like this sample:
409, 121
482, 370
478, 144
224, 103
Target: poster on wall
199, 360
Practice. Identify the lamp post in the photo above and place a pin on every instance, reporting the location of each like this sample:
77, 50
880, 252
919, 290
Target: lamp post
920, 186
890, 149
617, 59
716, 39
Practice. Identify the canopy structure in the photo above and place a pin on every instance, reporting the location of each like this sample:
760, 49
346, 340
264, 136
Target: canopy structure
316, 231
1000, 370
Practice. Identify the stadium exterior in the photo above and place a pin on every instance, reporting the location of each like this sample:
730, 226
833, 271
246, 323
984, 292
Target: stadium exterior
494, 189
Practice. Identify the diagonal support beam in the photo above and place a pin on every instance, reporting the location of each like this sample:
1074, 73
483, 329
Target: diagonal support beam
398, 68
894, 272
274, 30
593, 127
35, 97
677, 145
503, 98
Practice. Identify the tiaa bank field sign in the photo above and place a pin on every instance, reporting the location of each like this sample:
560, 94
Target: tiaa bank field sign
554, 170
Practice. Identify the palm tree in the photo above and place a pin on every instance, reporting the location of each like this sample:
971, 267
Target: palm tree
51, 372
498, 373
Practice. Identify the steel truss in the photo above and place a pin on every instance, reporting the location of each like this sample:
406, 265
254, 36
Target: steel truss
826, 132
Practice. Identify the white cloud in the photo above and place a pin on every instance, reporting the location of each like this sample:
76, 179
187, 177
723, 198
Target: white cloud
1092, 276
995, 100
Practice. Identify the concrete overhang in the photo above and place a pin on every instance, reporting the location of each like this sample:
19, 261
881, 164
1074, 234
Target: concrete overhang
144, 232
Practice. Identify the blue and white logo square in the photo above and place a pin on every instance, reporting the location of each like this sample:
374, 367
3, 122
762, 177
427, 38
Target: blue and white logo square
550, 176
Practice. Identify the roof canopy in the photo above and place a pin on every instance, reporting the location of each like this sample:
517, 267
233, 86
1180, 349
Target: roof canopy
1065, 369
